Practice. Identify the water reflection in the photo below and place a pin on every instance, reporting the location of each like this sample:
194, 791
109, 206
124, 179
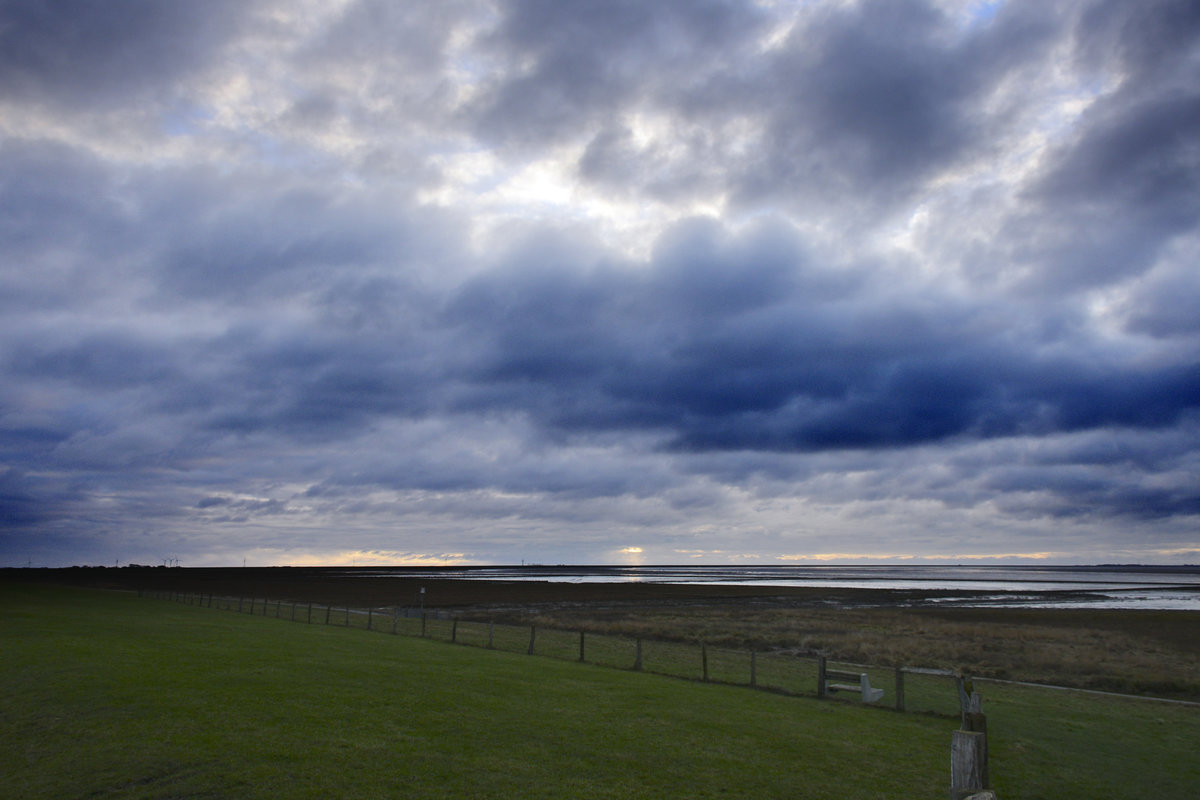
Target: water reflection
1135, 587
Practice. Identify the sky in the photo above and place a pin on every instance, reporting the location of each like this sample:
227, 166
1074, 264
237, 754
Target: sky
599, 281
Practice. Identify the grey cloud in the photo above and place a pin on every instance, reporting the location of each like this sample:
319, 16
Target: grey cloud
1145, 41
591, 59
1164, 304
855, 112
1119, 193
723, 355
1123, 185
280, 322
866, 103
78, 53
59, 224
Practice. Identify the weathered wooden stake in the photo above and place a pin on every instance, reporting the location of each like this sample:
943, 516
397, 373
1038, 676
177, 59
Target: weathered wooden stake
821, 676
969, 700
899, 688
310, 613
328, 611
977, 723
369, 611
453, 631
581, 651
966, 763
532, 638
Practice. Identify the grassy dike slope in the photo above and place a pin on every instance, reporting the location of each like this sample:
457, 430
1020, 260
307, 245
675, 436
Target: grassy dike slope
107, 695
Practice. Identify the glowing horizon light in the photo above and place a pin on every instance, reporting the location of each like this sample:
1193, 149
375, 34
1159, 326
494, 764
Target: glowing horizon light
845, 557
377, 558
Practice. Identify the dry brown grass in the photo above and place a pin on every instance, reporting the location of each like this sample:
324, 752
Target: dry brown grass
1127, 651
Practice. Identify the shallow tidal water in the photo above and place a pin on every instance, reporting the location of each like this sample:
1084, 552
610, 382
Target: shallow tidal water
1122, 587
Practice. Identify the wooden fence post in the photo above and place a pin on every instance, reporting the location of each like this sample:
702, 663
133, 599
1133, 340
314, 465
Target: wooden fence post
969, 700
310, 613
581, 650
454, 631
328, 609
969, 749
532, 638
966, 763
899, 688
422, 623
820, 676
977, 723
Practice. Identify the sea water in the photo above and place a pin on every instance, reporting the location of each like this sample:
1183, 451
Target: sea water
1132, 586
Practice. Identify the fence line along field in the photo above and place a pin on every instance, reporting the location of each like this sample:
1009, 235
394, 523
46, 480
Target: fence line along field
1137, 652
106, 694
113, 695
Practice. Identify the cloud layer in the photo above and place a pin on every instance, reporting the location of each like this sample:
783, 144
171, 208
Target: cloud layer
589, 281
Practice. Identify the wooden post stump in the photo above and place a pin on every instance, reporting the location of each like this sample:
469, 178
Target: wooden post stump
967, 753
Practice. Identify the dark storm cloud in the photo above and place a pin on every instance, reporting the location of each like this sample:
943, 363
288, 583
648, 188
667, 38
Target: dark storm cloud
81, 53
762, 361
333, 300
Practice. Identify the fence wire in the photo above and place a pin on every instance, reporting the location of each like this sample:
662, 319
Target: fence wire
907, 688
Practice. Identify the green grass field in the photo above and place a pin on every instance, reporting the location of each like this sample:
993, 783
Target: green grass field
107, 695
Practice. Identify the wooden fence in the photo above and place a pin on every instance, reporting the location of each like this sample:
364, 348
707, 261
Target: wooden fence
911, 689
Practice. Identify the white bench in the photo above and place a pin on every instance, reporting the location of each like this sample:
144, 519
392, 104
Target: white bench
861, 683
